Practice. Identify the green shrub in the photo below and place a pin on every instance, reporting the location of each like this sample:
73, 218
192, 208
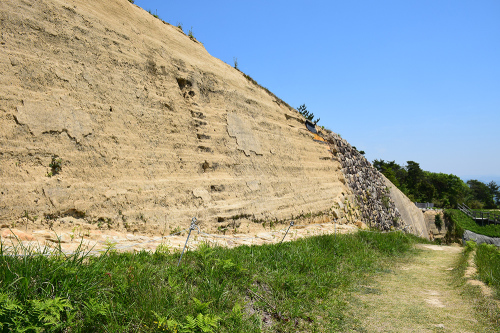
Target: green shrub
470, 245
475, 204
386, 201
154, 15
308, 115
39, 315
438, 221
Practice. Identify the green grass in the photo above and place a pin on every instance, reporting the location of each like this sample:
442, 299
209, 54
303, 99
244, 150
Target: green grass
488, 265
485, 306
300, 286
458, 221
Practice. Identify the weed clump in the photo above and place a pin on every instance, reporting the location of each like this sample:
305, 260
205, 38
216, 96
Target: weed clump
488, 265
55, 166
438, 221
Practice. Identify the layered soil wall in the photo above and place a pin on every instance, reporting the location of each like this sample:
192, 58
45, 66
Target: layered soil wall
112, 116
145, 125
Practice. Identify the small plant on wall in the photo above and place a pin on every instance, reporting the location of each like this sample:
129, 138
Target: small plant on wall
55, 166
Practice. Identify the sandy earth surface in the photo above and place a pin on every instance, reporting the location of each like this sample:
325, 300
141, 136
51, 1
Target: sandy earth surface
99, 240
419, 296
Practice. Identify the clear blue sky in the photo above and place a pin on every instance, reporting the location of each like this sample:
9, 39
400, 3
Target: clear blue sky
401, 80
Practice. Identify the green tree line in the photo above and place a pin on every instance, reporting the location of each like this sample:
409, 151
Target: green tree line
444, 190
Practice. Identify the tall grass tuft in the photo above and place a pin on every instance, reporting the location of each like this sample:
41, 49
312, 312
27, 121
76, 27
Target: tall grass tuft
488, 265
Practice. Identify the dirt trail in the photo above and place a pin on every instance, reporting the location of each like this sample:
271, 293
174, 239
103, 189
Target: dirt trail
418, 296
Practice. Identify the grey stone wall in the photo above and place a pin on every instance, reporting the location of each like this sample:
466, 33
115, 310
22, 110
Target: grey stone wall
377, 208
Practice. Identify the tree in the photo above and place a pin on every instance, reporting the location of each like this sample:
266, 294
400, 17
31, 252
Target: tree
308, 115
439, 188
495, 191
426, 191
415, 175
387, 171
482, 193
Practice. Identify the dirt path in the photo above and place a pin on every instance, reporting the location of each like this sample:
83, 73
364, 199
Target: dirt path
418, 296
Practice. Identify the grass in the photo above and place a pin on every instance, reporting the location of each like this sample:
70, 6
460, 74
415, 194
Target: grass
154, 15
488, 265
419, 295
487, 307
457, 222
297, 286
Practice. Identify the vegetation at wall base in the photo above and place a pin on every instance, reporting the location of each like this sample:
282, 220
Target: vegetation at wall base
438, 221
456, 222
302, 285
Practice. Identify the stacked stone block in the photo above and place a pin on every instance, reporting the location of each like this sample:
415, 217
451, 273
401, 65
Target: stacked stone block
376, 208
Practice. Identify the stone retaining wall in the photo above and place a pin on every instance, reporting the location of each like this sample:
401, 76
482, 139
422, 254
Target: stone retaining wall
373, 199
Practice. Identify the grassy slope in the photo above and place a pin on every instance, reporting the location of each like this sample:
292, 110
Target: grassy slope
298, 286
461, 222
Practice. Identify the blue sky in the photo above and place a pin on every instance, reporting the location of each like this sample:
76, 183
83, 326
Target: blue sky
401, 80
